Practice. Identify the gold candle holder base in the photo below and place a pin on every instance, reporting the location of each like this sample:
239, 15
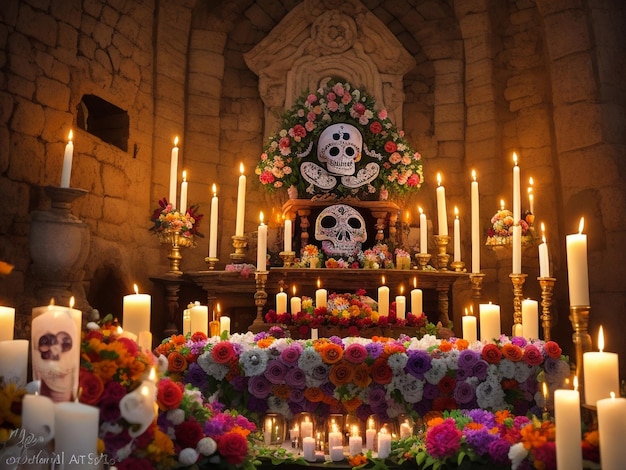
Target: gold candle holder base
260, 299
579, 317
422, 261
442, 256
287, 257
476, 279
518, 281
547, 288
174, 255
239, 244
211, 262
458, 266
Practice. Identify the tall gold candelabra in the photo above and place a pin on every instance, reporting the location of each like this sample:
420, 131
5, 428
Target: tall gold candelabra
476, 279
518, 292
260, 299
579, 317
547, 288
442, 256
239, 244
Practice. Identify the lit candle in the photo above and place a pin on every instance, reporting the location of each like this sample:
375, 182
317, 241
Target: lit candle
531, 206
136, 312
475, 202
335, 439
306, 428
66, 172
401, 305
383, 299
517, 211
281, 302
287, 235
489, 322
173, 173
183, 193
355, 444
7, 323
457, 235
187, 321
469, 327
501, 204
611, 429
76, 433
530, 319
295, 302
213, 225
601, 371
423, 232
568, 429
416, 299
38, 416
405, 430
517, 249
241, 203
370, 434
336, 453
199, 319
224, 325
577, 274
544, 258
321, 295
441, 207
261, 254
308, 448
384, 444
14, 361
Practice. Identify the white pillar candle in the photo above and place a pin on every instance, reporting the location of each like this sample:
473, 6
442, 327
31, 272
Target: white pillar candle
306, 428
38, 416
612, 429
401, 307
308, 448
281, 302
76, 434
517, 249
335, 439
416, 301
225, 325
384, 444
199, 319
423, 232
476, 242
517, 205
321, 296
489, 322
405, 430
213, 225
469, 327
601, 373
457, 235
14, 361
370, 434
336, 453
568, 430
66, 172
383, 301
544, 258
173, 173
261, 254
241, 203
287, 235
577, 273
314, 333
530, 319
442, 216
355, 445
186, 321
136, 312
183, 193
144, 340
296, 304
7, 323
77, 316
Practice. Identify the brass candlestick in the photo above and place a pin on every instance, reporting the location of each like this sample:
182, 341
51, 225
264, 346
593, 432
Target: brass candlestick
174, 255
476, 279
442, 256
211, 262
240, 244
518, 285
579, 317
422, 261
260, 299
547, 288
458, 266
287, 257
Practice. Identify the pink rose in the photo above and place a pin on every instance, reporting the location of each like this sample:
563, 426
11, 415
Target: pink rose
382, 114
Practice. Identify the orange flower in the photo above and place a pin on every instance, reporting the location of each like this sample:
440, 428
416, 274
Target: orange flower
502, 415
352, 404
178, 340
314, 394
472, 426
176, 362
434, 421
512, 352
105, 369
265, 342
362, 377
331, 353
281, 391
357, 460
461, 344
341, 373
445, 346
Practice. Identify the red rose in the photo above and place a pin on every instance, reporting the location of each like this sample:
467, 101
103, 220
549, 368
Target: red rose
297, 131
390, 146
491, 353
198, 336
169, 394
376, 127
552, 349
92, 387
188, 433
223, 352
233, 447
532, 355
381, 372
446, 384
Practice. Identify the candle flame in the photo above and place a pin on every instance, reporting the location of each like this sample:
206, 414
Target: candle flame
530, 182
152, 374
51, 304
261, 217
466, 312
545, 390
474, 175
72, 301
319, 283
176, 141
383, 280
293, 288
581, 225
502, 204
438, 179
415, 282
218, 308
120, 330
214, 190
515, 158
471, 309
600, 339
456, 212
576, 383
421, 211
136, 288
70, 136
401, 289
144, 391
241, 168
184, 175
612, 395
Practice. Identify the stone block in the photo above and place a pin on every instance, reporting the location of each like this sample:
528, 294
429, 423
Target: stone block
577, 126
483, 131
27, 160
475, 24
482, 113
534, 127
478, 95
114, 210
115, 182
575, 77
28, 118
52, 93
447, 94
450, 131
567, 33
452, 112
478, 48
37, 24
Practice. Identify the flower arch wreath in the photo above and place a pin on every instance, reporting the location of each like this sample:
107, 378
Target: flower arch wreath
296, 142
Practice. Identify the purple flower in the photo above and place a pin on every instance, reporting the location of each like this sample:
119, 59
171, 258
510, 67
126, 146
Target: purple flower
464, 393
277, 332
482, 417
467, 359
499, 451
336, 340
295, 378
480, 370
377, 396
196, 376
374, 349
259, 386
291, 354
328, 388
275, 371
239, 383
257, 405
320, 372
519, 341
296, 395
418, 363
261, 335
431, 391
480, 439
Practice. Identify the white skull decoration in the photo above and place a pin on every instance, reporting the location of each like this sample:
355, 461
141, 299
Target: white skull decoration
339, 146
341, 229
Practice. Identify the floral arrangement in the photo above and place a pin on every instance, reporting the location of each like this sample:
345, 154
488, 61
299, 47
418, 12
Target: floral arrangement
501, 230
380, 376
376, 257
167, 221
10, 408
310, 257
379, 256
244, 269
338, 102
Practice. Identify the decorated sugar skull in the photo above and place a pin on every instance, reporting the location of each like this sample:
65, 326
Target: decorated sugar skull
339, 147
341, 229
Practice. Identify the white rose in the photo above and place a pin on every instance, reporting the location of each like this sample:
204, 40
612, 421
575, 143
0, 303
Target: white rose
206, 446
188, 456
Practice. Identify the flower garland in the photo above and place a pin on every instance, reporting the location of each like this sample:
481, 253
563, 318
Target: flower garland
167, 221
338, 102
501, 230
